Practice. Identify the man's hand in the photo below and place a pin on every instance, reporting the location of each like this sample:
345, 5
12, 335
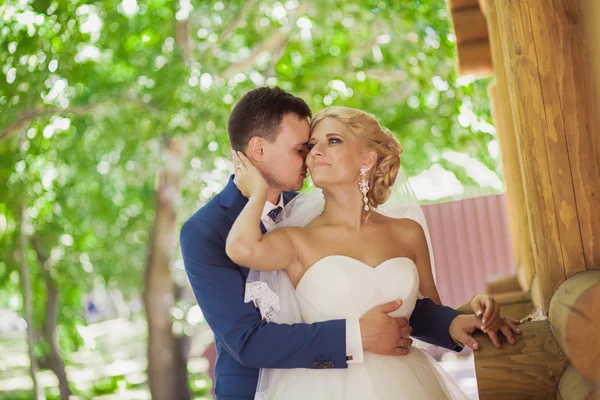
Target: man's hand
382, 334
508, 327
463, 326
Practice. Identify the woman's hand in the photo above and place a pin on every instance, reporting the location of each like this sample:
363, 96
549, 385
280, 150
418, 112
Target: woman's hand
486, 308
247, 177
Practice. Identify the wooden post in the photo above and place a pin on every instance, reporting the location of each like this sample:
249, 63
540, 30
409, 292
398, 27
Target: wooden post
575, 317
591, 28
528, 370
545, 61
511, 163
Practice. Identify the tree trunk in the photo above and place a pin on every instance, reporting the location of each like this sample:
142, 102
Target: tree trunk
182, 348
158, 293
57, 364
38, 391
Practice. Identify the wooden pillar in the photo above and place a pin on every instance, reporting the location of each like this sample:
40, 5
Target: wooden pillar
545, 60
591, 27
575, 317
511, 164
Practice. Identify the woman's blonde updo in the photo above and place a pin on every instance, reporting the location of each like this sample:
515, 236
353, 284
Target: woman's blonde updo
371, 136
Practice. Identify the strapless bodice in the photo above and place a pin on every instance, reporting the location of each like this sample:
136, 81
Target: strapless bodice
341, 287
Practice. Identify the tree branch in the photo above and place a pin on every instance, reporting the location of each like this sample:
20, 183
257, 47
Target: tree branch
25, 119
243, 15
272, 44
275, 44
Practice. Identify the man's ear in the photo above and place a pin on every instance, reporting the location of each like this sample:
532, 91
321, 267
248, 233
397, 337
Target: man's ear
256, 150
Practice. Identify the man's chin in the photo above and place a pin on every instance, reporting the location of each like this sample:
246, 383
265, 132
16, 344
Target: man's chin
297, 187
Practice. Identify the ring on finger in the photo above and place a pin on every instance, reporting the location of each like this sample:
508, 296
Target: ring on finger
239, 166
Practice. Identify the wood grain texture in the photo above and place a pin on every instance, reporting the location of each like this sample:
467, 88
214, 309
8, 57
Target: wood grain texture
573, 386
475, 58
545, 61
511, 158
469, 25
529, 369
575, 318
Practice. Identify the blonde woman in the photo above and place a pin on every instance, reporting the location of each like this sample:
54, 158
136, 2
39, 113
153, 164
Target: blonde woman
343, 258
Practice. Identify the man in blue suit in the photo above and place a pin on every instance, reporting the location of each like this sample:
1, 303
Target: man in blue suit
273, 125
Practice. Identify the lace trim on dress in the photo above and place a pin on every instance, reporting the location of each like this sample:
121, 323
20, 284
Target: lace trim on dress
263, 298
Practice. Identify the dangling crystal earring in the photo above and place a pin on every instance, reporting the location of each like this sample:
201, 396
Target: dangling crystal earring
364, 186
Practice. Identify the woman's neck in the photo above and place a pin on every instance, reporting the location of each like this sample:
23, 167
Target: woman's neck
345, 206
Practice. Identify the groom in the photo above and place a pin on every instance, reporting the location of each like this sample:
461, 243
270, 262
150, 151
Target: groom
272, 127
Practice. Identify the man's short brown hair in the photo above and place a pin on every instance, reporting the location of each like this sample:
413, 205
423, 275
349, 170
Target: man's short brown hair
259, 113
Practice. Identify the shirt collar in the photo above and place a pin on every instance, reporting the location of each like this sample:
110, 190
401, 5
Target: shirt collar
269, 206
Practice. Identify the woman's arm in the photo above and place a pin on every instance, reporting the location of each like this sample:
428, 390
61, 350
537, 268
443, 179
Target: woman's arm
414, 234
484, 306
246, 245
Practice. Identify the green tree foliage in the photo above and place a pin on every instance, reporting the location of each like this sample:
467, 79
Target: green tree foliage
88, 90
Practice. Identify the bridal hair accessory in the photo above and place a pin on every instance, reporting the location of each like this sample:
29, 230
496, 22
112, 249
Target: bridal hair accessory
364, 186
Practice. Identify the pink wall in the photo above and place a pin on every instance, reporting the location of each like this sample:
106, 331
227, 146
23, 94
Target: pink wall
471, 243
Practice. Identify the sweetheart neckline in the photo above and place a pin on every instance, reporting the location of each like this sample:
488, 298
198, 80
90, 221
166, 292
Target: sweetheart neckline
354, 259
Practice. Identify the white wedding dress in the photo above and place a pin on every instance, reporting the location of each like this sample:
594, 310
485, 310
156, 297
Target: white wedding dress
340, 287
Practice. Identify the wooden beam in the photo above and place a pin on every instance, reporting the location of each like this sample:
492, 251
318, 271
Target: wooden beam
462, 4
509, 150
504, 284
474, 58
469, 25
591, 28
515, 304
528, 370
575, 318
483, 7
545, 63
573, 386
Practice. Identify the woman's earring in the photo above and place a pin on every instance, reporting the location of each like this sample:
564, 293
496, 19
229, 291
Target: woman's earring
364, 186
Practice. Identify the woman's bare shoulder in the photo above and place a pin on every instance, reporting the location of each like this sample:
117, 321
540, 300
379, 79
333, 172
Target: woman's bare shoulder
405, 227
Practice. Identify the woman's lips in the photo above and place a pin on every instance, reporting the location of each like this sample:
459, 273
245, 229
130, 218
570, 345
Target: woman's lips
320, 164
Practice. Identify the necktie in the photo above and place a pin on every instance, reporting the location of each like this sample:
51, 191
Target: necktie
274, 213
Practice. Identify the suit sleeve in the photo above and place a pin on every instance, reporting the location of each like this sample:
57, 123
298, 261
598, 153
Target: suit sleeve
431, 324
219, 289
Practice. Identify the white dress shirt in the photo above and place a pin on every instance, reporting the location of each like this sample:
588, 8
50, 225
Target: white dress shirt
354, 349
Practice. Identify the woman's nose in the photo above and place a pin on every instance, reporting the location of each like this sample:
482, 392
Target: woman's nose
317, 150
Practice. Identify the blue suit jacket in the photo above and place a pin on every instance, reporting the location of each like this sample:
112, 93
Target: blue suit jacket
244, 341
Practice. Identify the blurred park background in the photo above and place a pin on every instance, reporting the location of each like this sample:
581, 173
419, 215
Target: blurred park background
113, 131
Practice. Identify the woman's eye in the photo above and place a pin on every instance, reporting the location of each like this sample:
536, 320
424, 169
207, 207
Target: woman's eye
310, 146
334, 140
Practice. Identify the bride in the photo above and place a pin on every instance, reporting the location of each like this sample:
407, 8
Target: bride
343, 256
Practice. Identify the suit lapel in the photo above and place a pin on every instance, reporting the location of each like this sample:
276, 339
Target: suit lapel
234, 201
